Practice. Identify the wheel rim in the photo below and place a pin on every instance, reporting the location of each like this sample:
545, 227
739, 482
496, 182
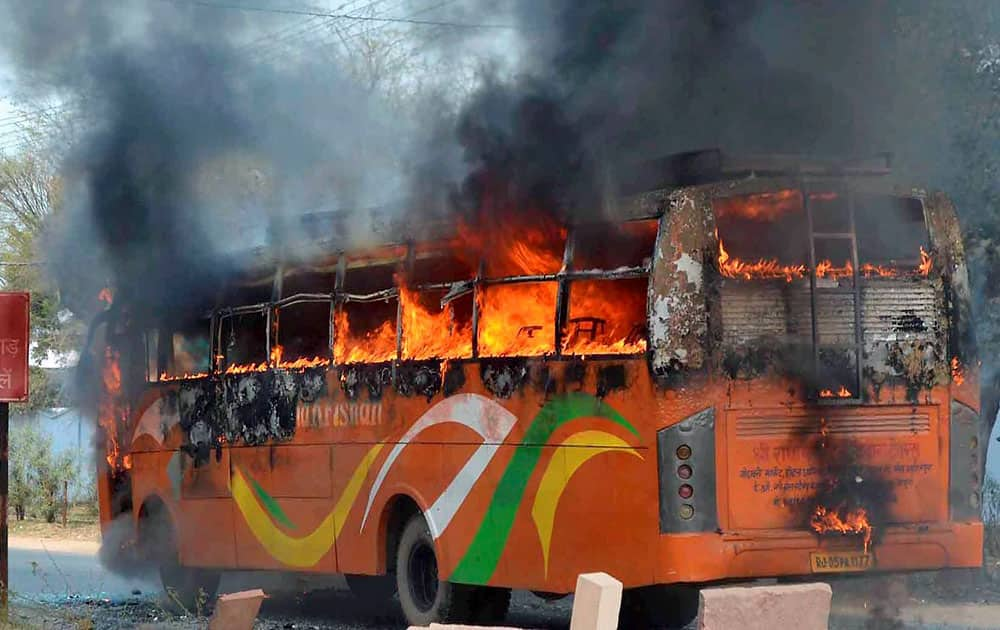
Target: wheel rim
423, 570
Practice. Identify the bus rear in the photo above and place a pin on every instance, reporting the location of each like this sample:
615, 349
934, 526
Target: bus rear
845, 433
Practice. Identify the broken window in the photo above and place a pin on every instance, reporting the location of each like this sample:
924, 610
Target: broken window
763, 236
187, 352
517, 319
249, 292
311, 281
243, 341
435, 330
365, 323
892, 235
607, 247
606, 317
303, 337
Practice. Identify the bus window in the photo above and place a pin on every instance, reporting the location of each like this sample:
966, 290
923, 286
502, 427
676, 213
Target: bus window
431, 331
308, 281
188, 351
891, 234
365, 324
517, 319
250, 292
607, 247
243, 341
763, 236
606, 317
303, 334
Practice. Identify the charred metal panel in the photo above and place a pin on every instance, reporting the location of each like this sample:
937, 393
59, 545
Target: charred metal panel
419, 379
454, 379
698, 433
946, 237
502, 377
610, 378
373, 378
968, 459
677, 307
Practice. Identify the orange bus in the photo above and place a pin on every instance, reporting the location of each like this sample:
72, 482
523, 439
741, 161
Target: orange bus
752, 368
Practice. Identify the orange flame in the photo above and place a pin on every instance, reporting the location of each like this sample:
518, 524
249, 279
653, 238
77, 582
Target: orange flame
106, 296
430, 334
375, 346
868, 270
111, 412
825, 269
605, 317
301, 363
762, 269
182, 377
843, 392
841, 520
926, 262
957, 373
517, 319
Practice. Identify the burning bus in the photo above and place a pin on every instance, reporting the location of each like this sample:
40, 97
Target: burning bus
750, 368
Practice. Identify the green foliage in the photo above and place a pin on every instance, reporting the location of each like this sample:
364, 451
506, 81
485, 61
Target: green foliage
36, 473
29, 199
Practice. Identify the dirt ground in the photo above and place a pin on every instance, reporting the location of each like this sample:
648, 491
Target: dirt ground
81, 524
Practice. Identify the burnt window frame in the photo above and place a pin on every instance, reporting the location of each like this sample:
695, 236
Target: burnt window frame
283, 301
563, 277
221, 312
397, 255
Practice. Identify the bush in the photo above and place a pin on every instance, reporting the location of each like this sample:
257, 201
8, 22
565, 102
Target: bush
991, 517
36, 473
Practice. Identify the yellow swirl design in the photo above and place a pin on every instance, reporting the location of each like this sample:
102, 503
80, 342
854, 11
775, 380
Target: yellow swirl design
572, 453
307, 550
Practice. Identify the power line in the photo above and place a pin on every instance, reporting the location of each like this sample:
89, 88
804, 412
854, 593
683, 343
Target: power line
343, 16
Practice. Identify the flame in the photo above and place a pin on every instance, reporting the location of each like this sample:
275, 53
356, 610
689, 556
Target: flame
246, 368
843, 392
605, 317
182, 377
112, 414
517, 319
430, 334
926, 262
957, 373
762, 269
760, 207
106, 295
301, 363
841, 520
375, 346
825, 269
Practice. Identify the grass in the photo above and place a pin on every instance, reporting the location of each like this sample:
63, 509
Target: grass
81, 524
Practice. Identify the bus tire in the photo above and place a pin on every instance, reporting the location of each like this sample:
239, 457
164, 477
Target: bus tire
372, 589
187, 589
423, 597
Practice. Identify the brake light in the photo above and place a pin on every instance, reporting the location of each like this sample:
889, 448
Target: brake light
683, 451
684, 471
685, 491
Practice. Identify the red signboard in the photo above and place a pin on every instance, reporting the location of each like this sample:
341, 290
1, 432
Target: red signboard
13, 347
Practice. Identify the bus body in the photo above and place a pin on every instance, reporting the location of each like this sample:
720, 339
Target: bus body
754, 376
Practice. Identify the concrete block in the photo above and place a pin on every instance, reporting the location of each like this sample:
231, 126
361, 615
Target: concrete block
790, 606
450, 626
596, 602
236, 611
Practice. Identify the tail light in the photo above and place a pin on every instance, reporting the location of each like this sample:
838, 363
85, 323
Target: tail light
686, 457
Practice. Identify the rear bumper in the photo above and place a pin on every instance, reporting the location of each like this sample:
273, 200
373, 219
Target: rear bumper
707, 557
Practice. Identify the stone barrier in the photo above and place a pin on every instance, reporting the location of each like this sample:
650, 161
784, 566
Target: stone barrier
236, 611
789, 606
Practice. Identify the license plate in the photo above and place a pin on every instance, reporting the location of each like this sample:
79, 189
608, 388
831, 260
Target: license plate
840, 561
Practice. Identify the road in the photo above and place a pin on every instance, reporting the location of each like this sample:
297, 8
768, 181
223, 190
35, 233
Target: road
68, 573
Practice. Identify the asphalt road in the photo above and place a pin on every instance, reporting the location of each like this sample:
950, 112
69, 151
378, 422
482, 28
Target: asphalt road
67, 574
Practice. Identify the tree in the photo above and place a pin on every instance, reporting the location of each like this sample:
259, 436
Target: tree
36, 473
30, 195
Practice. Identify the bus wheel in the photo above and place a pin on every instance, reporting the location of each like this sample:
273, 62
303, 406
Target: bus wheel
658, 607
188, 589
373, 589
423, 597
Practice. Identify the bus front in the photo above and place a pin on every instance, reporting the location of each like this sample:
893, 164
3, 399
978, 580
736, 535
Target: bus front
825, 322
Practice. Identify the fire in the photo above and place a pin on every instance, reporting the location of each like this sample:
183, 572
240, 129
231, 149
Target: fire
844, 521
957, 373
768, 269
926, 262
182, 377
762, 269
843, 392
375, 346
111, 413
430, 334
761, 207
605, 317
301, 363
106, 296
517, 319
825, 269
246, 368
